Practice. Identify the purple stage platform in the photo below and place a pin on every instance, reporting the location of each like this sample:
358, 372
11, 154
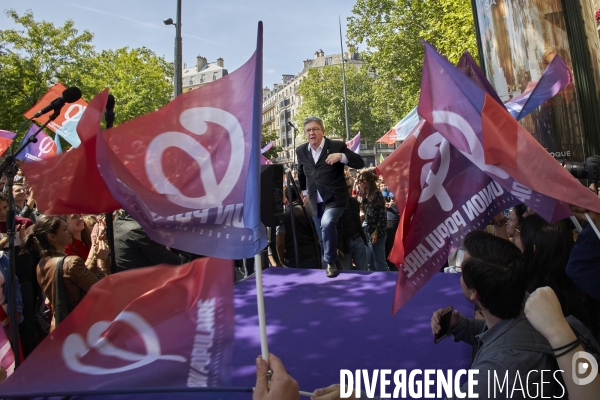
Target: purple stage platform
318, 325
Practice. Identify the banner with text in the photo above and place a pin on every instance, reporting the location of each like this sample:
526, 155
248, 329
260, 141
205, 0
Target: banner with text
154, 327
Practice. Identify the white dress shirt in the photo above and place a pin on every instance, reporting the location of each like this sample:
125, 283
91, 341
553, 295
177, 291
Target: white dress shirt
316, 154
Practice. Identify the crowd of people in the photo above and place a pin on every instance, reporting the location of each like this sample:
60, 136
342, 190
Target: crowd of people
536, 284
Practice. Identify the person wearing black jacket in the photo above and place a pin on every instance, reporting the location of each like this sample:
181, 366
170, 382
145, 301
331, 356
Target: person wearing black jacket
321, 175
353, 235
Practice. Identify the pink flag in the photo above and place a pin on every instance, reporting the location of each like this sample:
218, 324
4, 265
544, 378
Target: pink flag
484, 132
7, 358
153, 327
267, 147
70, 182
6, 138
354, 144
441, 196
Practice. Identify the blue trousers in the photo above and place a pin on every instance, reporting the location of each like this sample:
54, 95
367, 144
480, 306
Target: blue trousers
358, 253
376, 254
325, 223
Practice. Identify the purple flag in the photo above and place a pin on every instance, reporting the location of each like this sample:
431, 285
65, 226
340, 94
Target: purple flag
189, 172
267, 147
158, 327
553, 80
354, 144
40, 150
454, 105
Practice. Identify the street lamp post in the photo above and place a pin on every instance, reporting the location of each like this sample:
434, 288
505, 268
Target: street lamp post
344, 80
177, 78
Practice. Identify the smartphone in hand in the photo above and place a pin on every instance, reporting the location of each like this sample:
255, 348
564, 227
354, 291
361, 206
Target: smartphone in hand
445, 318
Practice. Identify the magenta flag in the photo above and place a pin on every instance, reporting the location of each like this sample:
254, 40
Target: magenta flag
189, 172
267, 147
446, 195
42, 149
156, 327
553, 80
354, 144
6, 139
485, 133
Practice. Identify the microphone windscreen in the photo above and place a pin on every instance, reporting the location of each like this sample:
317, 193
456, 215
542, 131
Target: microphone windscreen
110, 103
71, 95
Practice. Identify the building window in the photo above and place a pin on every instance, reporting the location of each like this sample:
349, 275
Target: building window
215, 76
191, 80
201, 78
328, 61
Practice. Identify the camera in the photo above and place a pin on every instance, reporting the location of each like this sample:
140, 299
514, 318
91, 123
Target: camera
590, 169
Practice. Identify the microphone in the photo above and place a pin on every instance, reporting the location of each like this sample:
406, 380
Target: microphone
109, 112
69, 95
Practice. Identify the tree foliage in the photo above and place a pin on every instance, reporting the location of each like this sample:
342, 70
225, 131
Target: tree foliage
136, 77
392, 30
35, 57
323, 96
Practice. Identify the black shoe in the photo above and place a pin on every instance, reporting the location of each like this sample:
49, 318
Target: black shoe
331, 270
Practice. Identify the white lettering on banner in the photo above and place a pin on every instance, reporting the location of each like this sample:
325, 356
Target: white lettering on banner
74, 113
521, 192
74, 347
32, 157
480, 201
476, 155
428, 150
419, 256
45, 146
195, 120
203, 341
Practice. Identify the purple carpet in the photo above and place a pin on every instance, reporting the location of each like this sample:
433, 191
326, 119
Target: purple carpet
318, 325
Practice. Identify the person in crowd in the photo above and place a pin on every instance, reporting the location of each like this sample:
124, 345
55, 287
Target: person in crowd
25, 271
82, 243
583, 266
376, 220
494, 278
50, 237
515, 221
353, 234
546, 248
321, 175
90, 221
24, 203
303, 235
5, 297
393, 220
545, 313
134, 249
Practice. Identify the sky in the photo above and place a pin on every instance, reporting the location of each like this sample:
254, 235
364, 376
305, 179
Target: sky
293, 30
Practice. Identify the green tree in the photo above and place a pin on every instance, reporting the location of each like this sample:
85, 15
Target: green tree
33, 59
392, 30
323, 95
137, 78
268, 136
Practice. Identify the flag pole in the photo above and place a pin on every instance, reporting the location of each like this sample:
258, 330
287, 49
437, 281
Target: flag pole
594, 227
251, 198
260, 303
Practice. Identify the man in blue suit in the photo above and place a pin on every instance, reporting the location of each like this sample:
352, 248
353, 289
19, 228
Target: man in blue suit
321, 164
